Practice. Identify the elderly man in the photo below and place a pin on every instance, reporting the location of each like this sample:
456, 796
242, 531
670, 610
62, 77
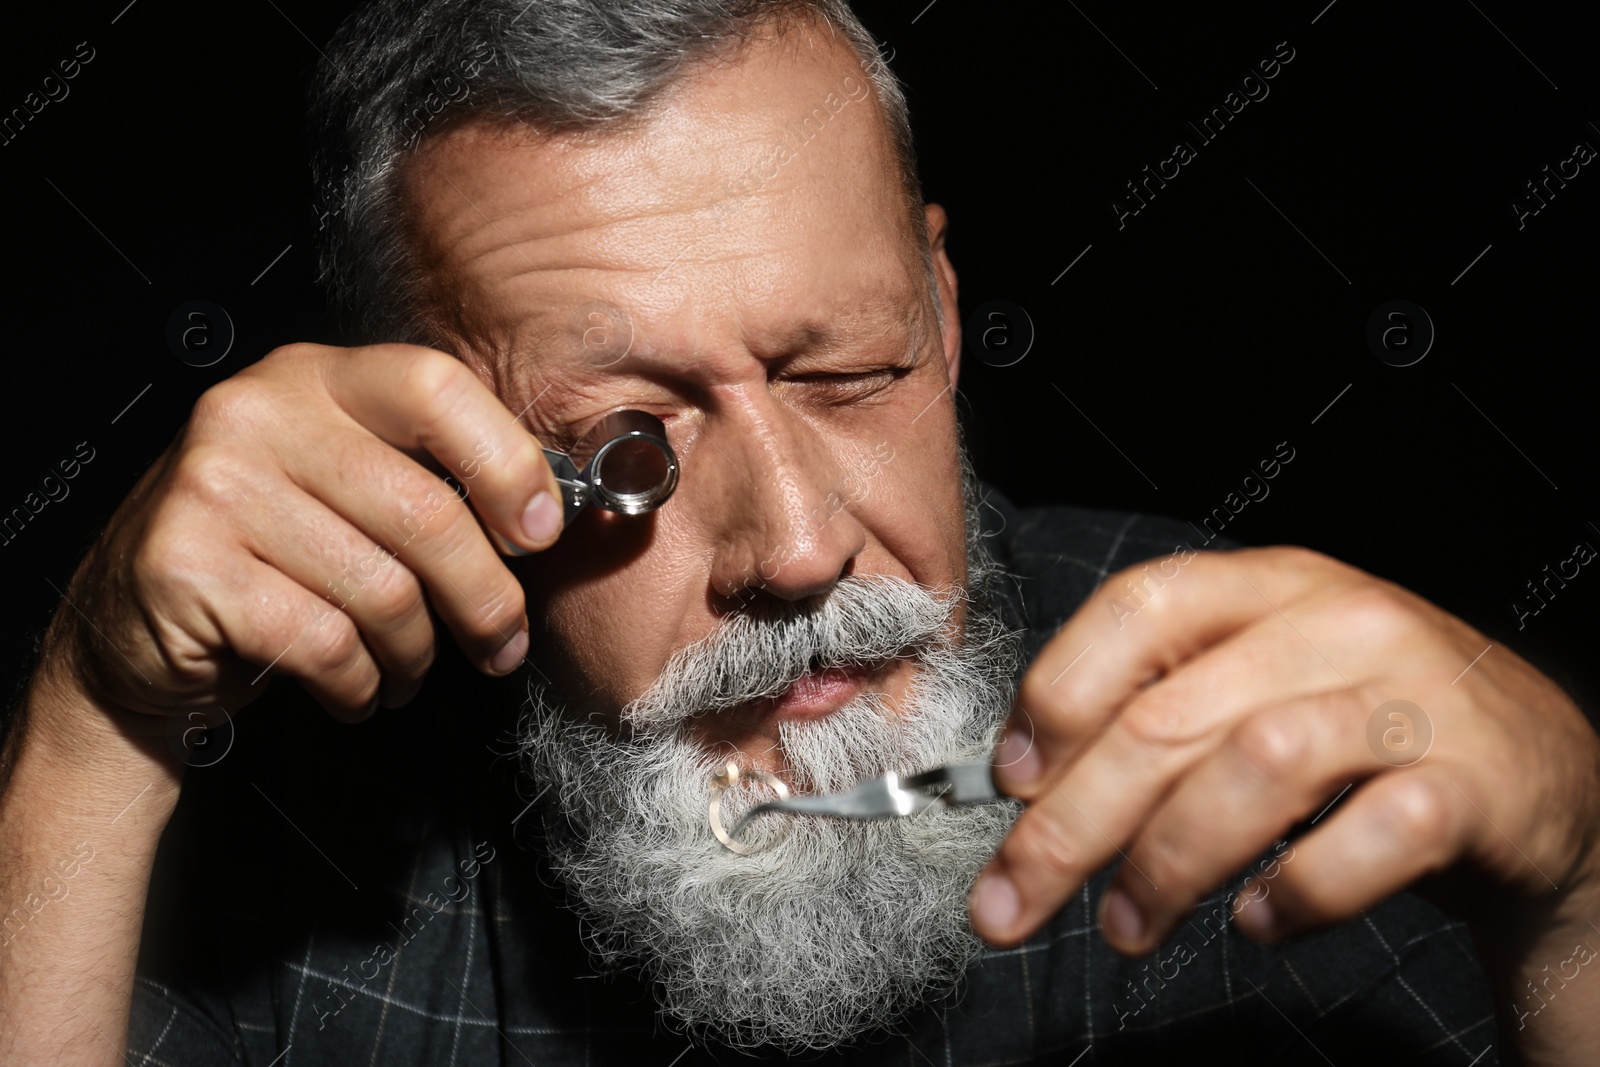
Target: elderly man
708, 211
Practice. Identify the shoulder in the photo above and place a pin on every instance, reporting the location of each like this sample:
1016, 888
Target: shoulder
1057, 555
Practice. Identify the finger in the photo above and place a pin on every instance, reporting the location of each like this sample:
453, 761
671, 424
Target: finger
413, 515
1139, 625
1337, 632
354, 574
1390, 832
1087, 809
420, 398
282, 627
1266, 661
1275, 768
1092, 807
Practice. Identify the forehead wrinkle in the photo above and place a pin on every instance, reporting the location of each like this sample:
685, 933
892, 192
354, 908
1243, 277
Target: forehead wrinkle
626, 243
499, 239
654, 169
768, 326
624, 205
529, 309
857, 317
602, 209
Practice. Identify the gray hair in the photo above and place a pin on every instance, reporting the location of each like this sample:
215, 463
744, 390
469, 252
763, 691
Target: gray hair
397, 69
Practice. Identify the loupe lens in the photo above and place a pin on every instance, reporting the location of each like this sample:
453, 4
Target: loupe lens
634, 469
631, 474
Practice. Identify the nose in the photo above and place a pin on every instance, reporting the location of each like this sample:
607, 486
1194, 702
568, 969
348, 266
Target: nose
785, 526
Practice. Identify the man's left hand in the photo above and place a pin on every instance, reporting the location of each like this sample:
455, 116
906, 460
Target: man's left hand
1196, 708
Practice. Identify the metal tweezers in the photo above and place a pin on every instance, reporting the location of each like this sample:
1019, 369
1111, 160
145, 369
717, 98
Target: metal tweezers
892, 796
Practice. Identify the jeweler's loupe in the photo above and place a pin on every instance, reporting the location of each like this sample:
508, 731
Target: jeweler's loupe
624, 464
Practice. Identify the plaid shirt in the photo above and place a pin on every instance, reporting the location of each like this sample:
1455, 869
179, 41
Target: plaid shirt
328, 895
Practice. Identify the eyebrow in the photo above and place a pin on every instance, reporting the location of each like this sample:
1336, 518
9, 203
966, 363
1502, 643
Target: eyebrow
874, 317
878, 314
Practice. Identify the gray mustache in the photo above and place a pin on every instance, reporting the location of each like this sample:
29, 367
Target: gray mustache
764, 650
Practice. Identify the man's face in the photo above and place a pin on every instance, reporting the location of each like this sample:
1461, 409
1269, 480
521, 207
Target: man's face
742, 265
749, 250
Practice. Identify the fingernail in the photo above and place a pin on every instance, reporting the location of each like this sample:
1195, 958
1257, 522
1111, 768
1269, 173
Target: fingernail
399, 697
995, 903
1017, 760
1257, 919
511, 655
1121, 917
504, 547
542, 519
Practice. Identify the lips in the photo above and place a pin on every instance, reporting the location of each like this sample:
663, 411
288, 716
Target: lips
818, 692
753, 727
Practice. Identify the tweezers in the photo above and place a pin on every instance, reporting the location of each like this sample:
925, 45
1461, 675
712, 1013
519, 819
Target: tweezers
892, 796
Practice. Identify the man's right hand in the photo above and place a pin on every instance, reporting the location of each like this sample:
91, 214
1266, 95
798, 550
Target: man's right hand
294, 525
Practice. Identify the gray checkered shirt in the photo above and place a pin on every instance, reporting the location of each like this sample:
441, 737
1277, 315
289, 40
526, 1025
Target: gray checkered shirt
329, 895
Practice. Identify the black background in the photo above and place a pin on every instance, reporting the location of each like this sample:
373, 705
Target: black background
1221, 320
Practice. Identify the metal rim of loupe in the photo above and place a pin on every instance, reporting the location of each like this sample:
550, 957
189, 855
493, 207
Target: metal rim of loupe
636, 502
725, 780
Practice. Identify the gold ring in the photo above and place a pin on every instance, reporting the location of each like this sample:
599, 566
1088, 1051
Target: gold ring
724, 780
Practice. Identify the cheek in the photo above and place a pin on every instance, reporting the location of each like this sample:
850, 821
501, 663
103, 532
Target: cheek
607, 616
615, 599
913, 506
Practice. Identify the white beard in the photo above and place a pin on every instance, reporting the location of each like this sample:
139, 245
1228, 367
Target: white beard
829, 928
